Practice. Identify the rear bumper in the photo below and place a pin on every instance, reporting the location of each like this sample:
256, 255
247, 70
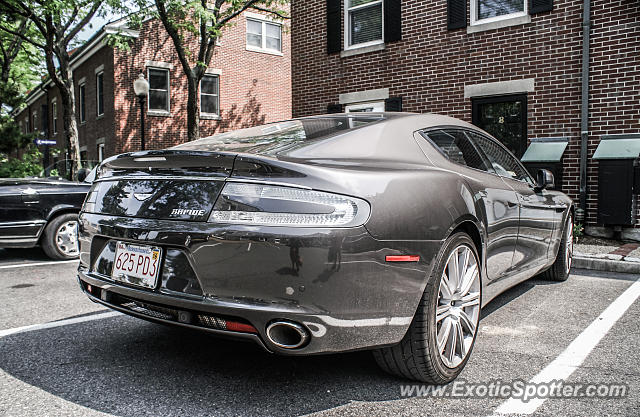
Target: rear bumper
335, 282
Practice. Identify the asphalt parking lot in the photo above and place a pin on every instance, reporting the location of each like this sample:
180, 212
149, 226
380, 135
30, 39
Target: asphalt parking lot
90, 363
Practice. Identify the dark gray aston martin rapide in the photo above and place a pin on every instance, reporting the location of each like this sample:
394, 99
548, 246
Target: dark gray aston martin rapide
384, 231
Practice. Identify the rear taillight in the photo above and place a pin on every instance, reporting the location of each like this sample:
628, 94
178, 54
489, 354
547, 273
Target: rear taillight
269, 205
89, 205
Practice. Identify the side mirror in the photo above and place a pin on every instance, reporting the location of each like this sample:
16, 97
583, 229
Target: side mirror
82, 174
544, 179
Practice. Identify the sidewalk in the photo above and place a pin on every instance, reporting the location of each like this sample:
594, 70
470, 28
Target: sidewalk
606, 255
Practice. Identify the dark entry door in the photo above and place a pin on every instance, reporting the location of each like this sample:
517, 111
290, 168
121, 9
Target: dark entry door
504, 118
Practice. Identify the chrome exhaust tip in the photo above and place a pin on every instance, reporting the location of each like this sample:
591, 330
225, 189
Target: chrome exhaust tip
287, 334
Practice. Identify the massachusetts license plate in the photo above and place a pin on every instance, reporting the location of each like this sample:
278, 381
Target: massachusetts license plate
137, 264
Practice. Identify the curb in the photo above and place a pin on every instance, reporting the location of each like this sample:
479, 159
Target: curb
608, 265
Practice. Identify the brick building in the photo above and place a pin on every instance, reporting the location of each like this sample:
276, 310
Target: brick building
248, 82
513, 67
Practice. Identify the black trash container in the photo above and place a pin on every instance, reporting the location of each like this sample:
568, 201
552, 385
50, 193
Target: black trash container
617, 157
546, 153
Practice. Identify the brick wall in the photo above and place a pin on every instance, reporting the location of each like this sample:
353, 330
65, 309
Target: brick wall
431, 65
255, 87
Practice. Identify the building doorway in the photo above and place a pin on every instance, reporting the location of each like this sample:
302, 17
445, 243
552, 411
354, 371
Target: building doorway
505, 118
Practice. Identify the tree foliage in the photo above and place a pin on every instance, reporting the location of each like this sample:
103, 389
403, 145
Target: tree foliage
26, 166
56, 25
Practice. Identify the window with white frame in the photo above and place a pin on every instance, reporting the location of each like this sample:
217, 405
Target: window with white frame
159, 89
364, 22
490, 10
264, 35
210, 95
82, 93
54, 115
100, 93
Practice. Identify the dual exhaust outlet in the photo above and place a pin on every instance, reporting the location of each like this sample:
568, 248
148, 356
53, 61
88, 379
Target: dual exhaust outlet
287, 334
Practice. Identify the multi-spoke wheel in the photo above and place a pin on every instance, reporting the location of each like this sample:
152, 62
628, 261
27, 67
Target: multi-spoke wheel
60, 239
441, 336
561, 268
458, 308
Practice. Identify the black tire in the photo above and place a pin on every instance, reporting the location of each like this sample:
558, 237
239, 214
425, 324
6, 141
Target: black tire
416, 356
561, 267
48, 241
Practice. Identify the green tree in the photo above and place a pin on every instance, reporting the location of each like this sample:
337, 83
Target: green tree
56, 25
202, 22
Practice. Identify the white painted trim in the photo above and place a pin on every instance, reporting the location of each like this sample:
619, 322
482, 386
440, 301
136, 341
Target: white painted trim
346, 33
263, 37
99, 69
526, 85
213, 71
364, 96
158, 64
100, 141
263, 17
83, 148
157, 112
499, 24
359, 50
475, 21
81, 81
264, 51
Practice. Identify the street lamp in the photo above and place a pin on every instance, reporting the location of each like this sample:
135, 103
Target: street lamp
141, 88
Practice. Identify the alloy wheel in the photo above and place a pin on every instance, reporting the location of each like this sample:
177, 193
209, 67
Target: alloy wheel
458, 307
569, 244
67, 238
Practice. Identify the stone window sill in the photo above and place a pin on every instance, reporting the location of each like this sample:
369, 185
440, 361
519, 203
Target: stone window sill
499, 24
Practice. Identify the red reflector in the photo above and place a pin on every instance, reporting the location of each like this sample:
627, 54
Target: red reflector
402, 258
240, 327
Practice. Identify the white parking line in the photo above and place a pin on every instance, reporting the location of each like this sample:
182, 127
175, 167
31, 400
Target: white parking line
37, 264
59, 323
573, 356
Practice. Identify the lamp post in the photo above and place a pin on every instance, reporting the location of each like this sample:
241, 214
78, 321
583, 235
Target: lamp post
141, 88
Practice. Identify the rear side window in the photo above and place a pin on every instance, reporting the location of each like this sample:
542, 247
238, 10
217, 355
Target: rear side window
502, 162
456, 146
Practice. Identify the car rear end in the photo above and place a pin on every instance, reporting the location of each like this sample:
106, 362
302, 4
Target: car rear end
248, 247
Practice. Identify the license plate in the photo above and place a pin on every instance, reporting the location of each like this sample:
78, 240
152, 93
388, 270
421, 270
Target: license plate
137, 264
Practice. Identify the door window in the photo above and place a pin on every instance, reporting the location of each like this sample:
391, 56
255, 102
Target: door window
504, 118
502, 162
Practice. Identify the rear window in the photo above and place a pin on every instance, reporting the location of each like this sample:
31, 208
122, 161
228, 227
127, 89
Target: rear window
279, 137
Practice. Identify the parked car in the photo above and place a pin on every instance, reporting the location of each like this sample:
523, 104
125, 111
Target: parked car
383, 231
43, 211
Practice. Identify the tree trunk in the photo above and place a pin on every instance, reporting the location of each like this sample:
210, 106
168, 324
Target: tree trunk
64, 83
193, 115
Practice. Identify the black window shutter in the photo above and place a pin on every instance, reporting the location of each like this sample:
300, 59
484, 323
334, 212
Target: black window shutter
393, 104
539, 6
334, 108
392, 21
456, 14
334, 31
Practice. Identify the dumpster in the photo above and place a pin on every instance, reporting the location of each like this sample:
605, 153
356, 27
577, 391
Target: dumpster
546, 153
618, 179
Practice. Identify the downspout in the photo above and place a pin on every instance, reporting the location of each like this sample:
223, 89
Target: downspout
584, 111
